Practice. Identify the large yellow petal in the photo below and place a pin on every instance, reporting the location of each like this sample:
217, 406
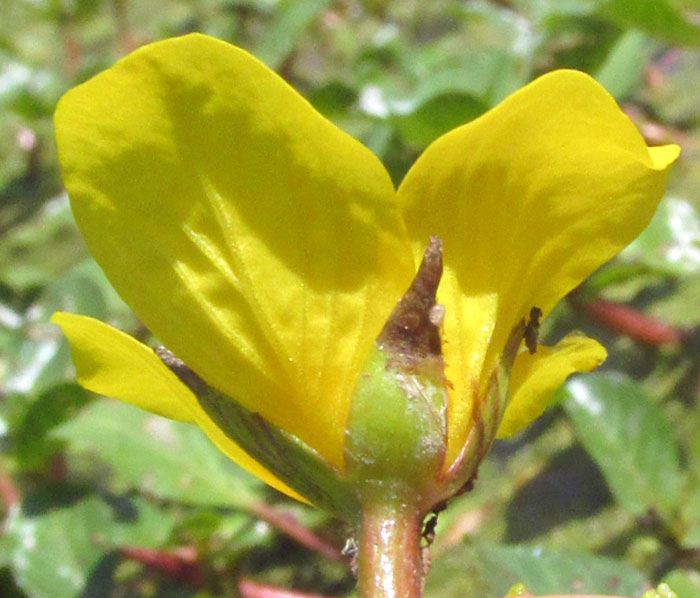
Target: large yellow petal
257, 240
528, 199
114, 364
536, 376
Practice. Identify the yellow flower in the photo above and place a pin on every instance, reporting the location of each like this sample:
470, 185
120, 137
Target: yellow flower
266, 248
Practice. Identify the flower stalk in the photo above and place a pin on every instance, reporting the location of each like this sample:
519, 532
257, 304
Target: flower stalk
389, 556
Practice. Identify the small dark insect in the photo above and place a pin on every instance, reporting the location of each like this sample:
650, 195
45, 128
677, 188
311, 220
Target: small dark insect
532, 329
429, 529
428, 533
350, 550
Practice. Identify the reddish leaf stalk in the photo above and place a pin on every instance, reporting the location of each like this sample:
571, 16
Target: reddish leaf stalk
288, 525
125, 37
179, 564
58, 467
71, 49
252, 589
631, 323
655, 133
9, 493
572, 596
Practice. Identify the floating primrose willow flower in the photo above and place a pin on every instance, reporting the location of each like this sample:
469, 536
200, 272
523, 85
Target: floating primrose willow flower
271, 253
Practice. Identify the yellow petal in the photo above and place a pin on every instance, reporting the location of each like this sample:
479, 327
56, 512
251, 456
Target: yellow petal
535, 377
528, 199
257, 240
114, 364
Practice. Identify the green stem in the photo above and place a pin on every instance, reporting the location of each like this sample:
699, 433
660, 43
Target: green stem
389, 561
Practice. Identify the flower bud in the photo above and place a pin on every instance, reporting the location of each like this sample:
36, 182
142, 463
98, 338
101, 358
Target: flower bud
396, 433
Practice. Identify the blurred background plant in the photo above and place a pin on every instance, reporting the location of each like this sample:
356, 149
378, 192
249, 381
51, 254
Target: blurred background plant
602, 495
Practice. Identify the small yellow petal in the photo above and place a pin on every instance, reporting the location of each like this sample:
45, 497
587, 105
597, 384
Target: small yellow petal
536, 376
114, 364
260, 242
664, 155
529, 199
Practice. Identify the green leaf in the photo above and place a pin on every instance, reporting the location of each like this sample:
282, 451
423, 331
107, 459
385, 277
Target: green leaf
236, 530
83, 289
27, 91
291, 20
34, 253
569, 484
34, 355
165, 458
623, 69
34, 364
628, 437
544, 11
463, 84
7, 543
684, 582
50, 409
675, 101
438, 115
670, 244
546, 571
690, 513
333, 99
458, 573
56, 549
485, 73
679, 308
656, 17
690, 537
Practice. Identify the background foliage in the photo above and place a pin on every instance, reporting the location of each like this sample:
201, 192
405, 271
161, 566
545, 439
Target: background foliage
602, 494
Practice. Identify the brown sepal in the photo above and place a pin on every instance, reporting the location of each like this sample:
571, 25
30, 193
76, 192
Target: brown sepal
410, 335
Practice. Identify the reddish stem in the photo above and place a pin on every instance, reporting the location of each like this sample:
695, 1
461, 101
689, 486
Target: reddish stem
252, 589
181, 563
389, 557
654, 132
125, 37
71, 49
58, 467
572, 596
9, 493
630, 322
288, 525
